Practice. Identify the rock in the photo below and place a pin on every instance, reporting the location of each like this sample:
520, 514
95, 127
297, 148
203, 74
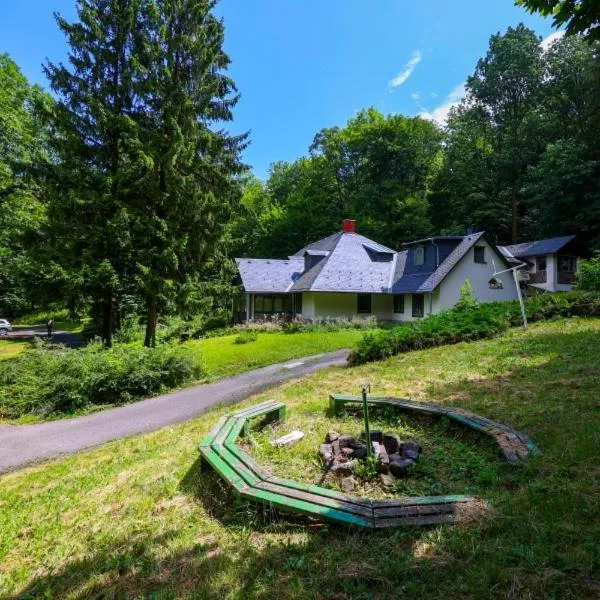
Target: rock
386, 479
395, 456
392, 442
288, 440
360, 452
410, 454
376, 448
331, 436
335, 446
348, 441
347, 451
326, 452
347, 484
344, 468
412, 446
384, 459
398, 468
376, 435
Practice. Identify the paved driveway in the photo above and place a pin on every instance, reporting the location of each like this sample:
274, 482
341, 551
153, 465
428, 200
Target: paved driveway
21, 445
58, 335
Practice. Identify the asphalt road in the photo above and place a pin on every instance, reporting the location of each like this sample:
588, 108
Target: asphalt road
59, 336
22, 445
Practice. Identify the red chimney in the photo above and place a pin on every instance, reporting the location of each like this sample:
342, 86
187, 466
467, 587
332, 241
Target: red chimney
349, 225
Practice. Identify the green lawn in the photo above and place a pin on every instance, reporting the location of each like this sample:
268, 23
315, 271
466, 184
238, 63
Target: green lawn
223, 357
10, 349
136, 518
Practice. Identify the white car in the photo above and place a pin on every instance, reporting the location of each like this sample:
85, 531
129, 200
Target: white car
5, 327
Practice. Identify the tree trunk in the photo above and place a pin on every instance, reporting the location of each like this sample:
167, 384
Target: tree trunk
107, 313
514, 215
151, 318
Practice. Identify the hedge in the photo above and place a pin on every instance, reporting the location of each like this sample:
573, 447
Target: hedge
50, 380
466, 323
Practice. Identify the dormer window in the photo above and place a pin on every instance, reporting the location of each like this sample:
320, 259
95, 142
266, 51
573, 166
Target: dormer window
419, 256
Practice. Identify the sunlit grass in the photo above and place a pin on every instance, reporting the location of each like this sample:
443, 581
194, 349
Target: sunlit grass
10, 349
136, 518
223, 357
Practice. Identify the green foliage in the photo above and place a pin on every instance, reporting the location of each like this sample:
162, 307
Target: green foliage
467, 296
473, 322
579, 16
50, 380
23, 156
246, 337
588, 277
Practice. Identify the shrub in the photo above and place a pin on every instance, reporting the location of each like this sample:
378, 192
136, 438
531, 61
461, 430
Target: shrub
465, 323
52, 379
246, 337
589, 274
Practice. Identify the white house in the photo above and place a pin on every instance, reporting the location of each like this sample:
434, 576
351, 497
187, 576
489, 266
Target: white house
349, 275
549, 265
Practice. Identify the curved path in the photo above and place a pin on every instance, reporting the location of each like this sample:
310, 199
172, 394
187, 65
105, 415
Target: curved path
21, 445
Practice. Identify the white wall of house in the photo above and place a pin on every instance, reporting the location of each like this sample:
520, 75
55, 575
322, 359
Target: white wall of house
479, 274
331, 305
407, 315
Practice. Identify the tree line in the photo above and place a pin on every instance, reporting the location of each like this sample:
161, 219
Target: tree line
519, 157
123, 193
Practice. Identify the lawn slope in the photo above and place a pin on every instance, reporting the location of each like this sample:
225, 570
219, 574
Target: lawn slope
136, 518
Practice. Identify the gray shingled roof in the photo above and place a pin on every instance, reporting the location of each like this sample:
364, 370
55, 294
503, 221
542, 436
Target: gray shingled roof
267, 275
349, 264
347, 268
547, 246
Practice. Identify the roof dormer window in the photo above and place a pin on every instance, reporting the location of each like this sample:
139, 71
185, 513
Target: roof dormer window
419, 256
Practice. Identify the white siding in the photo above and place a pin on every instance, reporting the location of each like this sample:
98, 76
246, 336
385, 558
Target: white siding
334, 305
407, 314
479, 275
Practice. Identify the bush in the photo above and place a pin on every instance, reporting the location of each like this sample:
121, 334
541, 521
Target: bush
465, 323
52, 379
588, 278
246, 337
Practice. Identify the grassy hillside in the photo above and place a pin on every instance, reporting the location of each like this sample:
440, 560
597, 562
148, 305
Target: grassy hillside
223, 357
136, 518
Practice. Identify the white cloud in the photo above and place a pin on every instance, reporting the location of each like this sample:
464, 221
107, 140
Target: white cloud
547, 41
433, 94
440, 113
408, 69
415, 96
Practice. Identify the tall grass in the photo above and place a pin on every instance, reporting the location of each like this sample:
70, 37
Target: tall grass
54, 379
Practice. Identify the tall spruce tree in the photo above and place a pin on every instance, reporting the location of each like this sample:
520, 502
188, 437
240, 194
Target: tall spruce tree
98, 144
190, 177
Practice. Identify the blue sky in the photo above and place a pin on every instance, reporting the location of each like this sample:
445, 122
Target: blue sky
302, 65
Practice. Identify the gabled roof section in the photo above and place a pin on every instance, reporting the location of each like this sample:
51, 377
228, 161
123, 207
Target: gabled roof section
268, 275
325, 245
427, 282
546, 246
348, 267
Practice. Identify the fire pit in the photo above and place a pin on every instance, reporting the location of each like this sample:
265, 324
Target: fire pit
391, 456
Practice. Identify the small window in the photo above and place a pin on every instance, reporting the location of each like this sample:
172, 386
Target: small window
363, 303
541, 263
418, 305
567, 264
495, 284
399, 303
480, 254
419, 256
